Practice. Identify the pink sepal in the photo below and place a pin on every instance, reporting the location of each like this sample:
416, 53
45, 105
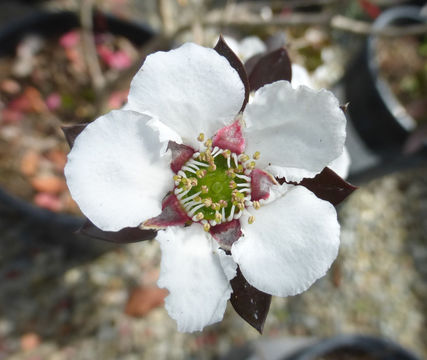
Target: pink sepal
230, 137
172, 214
180, 155
227, 233
261, 183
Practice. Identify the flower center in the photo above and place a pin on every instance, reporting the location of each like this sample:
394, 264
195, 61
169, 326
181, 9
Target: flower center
214, 186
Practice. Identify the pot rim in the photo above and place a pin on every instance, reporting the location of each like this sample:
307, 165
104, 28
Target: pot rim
18, 28
388, 17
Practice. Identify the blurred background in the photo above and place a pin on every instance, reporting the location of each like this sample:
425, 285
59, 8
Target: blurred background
64, 296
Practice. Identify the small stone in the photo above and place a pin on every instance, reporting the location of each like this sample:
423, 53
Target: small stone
143, 299
30, 341
30, 163
48, 201
10, 86
49, 184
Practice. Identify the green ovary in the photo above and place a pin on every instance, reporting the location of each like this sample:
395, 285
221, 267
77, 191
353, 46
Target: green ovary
218, 187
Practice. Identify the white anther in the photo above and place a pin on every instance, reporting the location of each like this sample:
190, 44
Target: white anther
244, 177
230, 217
193, 210
195, 155
186, 168
212, 222
182, 173
204, 221
178, 190
248, 172
248, 203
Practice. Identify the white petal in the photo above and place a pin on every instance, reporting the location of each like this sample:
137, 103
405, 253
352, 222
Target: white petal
191, 89
341, 164
300, 76
250, 46
298, 131
284, 254
191, 270
116, 173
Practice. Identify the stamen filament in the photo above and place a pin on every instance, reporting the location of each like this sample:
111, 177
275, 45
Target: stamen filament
244, 177
186, 168
192, 211
190, 197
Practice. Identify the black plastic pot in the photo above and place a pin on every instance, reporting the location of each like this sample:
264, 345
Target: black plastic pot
360, 346
53, 24
379, 120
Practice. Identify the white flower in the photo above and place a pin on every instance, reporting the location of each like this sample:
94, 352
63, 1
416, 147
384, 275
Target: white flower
119, 172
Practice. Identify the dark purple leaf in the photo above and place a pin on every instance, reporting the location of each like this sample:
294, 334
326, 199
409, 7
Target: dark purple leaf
124, 236
223, 49
252, 61
272, 67
250, 303
72, 131
172, 214
327, 186
227, 233
180, 155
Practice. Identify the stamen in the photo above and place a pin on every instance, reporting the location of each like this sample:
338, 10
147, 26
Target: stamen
256, 204
207, 202
215, 150
201, 137
205, 189
238, 215
251, 219
243, 185
186, 168
218, 217
193, 210
208, 143
191, 198
256, 155
243, 158
223, 214
232, 184
181, 195
198, 163
244, 177
178, 190
199, 216
196, 155
230, 217
182, 173
236, 161
228, 162
245, 190
192, 165
206, 227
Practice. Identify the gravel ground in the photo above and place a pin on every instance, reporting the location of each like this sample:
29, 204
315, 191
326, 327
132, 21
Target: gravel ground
62, 301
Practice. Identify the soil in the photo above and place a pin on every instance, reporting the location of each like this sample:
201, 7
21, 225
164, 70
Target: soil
403, 63
44, 86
